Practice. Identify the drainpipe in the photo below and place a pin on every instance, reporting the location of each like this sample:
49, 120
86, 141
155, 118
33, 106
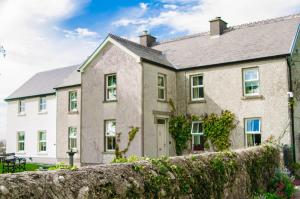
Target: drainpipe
291, 107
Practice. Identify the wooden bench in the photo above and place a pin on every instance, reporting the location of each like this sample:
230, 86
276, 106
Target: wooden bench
12, 163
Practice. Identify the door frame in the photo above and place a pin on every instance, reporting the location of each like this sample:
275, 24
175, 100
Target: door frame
167, 153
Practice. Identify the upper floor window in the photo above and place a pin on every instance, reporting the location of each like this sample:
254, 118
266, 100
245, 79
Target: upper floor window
251, 81
197, 92
21, 141
72, 138
111, 87
42, 104
42, 143
110, 135
198, 138
73, 101
253, 131
161, 87
21, 107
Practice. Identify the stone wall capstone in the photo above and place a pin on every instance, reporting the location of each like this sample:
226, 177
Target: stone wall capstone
237, 174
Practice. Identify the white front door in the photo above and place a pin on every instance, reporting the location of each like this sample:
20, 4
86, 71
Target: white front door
161, 127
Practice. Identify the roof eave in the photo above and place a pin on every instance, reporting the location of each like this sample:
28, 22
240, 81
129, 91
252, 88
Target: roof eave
29, 96
233, 62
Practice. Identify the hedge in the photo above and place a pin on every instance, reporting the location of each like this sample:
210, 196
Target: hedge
236, 174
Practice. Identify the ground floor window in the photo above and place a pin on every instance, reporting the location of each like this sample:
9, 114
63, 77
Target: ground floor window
253, 131
20, 141
42, 141
72, 139
110, 135
198, 137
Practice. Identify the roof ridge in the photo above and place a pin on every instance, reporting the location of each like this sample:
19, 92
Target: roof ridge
240, 26
59, 68
134, 43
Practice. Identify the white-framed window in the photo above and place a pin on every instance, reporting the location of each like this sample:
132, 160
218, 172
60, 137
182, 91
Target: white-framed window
111, 87
198, 138
251, 81
42, 142
253, 131
21, 106
73, 101
21, 141
72, 138
110, 135
42, 104
161, 86
197, 88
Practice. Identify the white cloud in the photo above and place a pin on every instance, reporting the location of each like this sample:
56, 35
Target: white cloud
33, 45
144, 6
78, 33
192, 16
170, 6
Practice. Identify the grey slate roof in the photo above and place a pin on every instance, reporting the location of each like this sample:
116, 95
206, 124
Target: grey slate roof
244, 42
43, 83
142, 51
71, 80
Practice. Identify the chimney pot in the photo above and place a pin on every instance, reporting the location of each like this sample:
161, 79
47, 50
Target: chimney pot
147, 39
217, 26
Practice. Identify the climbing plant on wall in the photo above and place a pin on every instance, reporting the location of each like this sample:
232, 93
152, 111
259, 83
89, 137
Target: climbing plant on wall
131, 134
217, 129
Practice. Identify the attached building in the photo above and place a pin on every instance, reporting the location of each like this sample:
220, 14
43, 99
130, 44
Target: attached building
32, 116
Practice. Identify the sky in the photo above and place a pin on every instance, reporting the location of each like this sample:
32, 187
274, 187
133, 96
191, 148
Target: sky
41, 35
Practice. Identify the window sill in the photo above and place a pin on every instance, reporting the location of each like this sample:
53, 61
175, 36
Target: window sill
42, 153
109, 101
252, 97
73, 112
162, 101
21, 114
197, 101
21, 153
108, 152
42, 112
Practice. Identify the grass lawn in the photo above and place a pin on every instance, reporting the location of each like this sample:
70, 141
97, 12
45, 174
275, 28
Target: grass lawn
29, 167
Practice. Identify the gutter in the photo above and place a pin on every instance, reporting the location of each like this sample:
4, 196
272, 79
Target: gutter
291, 108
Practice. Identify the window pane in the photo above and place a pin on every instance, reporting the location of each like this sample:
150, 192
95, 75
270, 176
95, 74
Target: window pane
110, 128
195, 127
161, 93
111, 142
253, 139
196, 93
251, 74
161, 81
112, 80
251, 87
198, 142
21, 136
253, 125
112, 93
197, 80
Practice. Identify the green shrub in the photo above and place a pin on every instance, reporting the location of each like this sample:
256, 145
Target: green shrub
62, 165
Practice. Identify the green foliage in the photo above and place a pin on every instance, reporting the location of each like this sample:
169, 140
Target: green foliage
130, 159
180, 128
131, 135
62, 165
217, 129
282, 185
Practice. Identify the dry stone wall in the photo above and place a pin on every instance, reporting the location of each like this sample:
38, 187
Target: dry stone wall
237, 174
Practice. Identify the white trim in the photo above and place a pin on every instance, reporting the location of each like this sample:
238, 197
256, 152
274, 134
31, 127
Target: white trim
161, 87
107, 88
102, 45
197, 86
256, 69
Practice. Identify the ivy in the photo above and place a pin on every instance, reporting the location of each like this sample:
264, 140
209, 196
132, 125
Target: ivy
217, 129
119, 154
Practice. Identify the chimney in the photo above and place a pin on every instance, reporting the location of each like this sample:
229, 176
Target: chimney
217, 26
146, 39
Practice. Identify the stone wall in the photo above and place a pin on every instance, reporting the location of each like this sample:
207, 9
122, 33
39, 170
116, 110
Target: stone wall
236, 174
